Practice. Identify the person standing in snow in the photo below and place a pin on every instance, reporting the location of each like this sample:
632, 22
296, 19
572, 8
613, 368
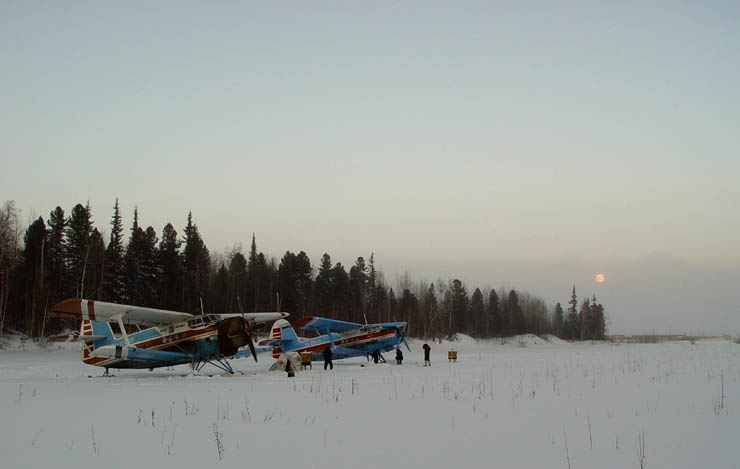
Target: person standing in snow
327, 358
426, 348
376, 356
399, 356
289, 367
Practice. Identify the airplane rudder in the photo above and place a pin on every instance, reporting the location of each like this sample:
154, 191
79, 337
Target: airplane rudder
98, 329
288, 333
276, 331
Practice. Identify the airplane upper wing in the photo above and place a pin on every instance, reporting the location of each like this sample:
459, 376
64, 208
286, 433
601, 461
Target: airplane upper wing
78, 308
315, 323
256, 317
390, 325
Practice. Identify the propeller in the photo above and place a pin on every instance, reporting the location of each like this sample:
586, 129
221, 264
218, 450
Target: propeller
400, 331
247, 329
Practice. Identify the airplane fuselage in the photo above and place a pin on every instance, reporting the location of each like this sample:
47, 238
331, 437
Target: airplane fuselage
354, 343
195, 337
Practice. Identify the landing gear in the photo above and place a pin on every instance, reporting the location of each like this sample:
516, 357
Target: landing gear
107, 373
219, 363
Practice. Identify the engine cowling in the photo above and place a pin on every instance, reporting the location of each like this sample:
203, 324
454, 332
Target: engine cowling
232, 334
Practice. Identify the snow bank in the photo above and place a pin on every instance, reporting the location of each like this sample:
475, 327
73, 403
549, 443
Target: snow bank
14, 342
553, 339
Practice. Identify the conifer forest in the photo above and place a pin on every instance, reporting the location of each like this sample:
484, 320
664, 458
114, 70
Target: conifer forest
66, 255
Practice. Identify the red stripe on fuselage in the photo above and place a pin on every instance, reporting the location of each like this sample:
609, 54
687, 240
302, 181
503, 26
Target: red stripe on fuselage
91, 309
177, 338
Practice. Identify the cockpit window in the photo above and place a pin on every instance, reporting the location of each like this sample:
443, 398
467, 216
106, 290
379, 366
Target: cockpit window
209, 319
212, 319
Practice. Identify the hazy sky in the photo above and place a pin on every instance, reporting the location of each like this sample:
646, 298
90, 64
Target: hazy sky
525, 144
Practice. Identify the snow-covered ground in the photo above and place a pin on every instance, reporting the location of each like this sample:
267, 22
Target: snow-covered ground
528, 403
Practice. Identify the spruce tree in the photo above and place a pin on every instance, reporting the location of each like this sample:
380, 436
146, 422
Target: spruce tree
478, 312
252, 254
572, 323
558, 320
431, 311
585, 319
380, 301
294, 281
392, 305
599, 321
170, 263
460, 308
408, 309
196, 266
56, 249
358, 287
255, 275
596, 326
516, 312
115, 273
34, 257
221, 289
372, 277
494, 314
322, 285
340, 292
450, 323
134, 279
95, 266
150, 269
265, 284
78, 233
237, 278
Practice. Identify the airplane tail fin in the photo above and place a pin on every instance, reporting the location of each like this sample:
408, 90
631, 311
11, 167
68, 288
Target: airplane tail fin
283, 337
93, 334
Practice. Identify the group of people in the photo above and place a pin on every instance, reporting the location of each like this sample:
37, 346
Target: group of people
377, 357
427, 349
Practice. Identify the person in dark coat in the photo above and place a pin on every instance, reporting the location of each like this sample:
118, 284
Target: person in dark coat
327, 358
426, 348
399, 356
376, 356
289, 368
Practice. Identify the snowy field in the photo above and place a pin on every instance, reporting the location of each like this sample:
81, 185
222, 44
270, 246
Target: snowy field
529, 403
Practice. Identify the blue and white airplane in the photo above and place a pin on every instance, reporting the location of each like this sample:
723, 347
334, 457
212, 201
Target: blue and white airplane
346, 339
170, 337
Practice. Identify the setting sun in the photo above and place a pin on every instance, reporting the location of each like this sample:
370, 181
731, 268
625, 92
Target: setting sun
600, 278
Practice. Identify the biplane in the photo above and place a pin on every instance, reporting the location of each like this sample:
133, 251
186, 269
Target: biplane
346, 339
153, 338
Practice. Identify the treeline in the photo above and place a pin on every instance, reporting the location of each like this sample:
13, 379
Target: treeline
67, 256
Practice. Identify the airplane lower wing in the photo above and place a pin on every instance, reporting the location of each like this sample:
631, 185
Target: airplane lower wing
75, 337
338, 352
246, 352
270, 342
134, 353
